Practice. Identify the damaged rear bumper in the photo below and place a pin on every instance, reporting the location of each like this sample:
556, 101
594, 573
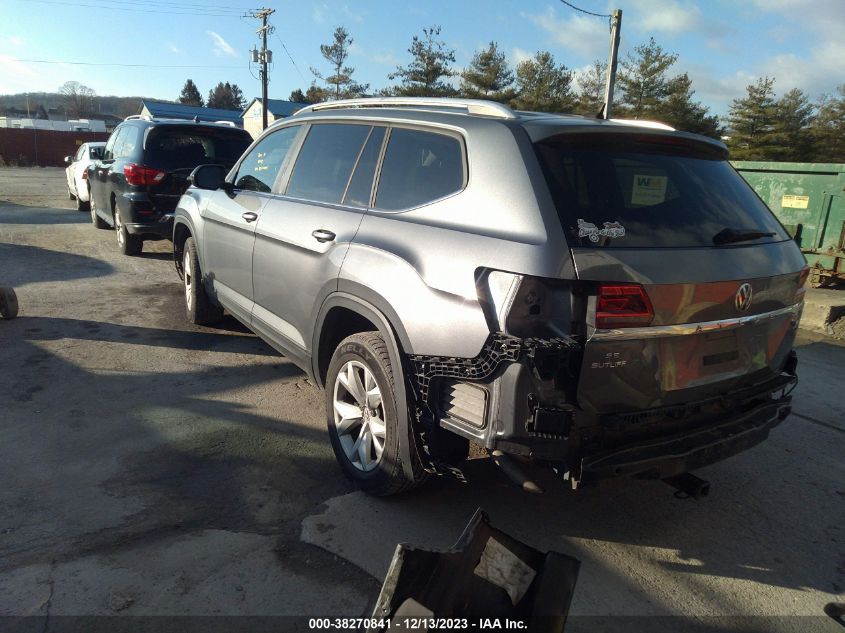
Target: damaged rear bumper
519, 397
665, 457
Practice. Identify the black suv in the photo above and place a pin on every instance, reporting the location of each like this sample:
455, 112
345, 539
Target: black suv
144, 170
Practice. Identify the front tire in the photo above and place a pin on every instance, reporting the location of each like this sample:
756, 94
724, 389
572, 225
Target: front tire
199, 308
361, 406
127, 243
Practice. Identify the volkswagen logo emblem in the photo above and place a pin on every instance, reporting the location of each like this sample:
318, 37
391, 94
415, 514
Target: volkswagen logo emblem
742, 300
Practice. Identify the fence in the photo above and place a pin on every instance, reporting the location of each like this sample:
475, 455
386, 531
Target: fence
42, 148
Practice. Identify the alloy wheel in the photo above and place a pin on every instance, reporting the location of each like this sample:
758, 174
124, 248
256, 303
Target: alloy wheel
359, 415
118, 227
188, 273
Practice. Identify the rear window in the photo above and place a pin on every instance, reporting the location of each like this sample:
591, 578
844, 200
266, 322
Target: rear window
172, 147
615, 193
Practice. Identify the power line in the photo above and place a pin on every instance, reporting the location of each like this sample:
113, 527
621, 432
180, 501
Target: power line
157, 12
52, 61
289, 57
598, 15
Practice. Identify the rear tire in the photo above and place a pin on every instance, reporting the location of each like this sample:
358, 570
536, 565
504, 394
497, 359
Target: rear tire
8, 303
127, 243
96, 220
70, 196
199, 308
81, 205
361, 407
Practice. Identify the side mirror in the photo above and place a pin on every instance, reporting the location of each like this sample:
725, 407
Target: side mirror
68, 160
209, 177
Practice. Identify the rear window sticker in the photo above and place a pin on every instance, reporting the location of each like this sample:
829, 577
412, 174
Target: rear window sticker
648, 190
590, 230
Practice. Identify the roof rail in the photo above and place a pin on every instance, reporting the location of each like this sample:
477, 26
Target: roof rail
650, 124
473, 106
144, 117
229, 123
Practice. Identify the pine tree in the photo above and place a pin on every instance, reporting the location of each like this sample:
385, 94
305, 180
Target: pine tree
488, 76
316, 94
226, 96
682, 113
190, 94
297, 96
591, 84
429, 69
791, 138
642, 79
340, 83
828, 129
542, 85
752, 120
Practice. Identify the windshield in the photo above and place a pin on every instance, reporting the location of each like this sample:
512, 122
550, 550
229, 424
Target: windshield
174, 147
616, 193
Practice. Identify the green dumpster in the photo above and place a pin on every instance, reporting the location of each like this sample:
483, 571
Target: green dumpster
809, 200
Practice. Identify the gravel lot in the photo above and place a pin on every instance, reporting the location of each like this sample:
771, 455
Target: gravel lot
152, 468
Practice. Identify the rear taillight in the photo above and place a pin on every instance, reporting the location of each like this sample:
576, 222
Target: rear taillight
802, 281
623, 306
139, 176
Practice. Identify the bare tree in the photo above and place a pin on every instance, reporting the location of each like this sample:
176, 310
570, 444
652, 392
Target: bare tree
78, 99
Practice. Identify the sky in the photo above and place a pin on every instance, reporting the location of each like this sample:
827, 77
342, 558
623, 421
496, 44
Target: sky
723, 44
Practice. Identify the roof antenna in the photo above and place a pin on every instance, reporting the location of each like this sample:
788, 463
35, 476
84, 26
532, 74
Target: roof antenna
197, 118
600, 113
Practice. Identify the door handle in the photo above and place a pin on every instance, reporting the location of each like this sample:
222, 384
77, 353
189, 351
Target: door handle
249, 216
322, 235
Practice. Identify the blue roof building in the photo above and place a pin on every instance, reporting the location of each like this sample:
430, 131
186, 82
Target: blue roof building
276, 109
163, 110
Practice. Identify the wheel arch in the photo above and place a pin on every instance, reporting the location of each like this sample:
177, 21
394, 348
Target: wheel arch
342, 315
181, 232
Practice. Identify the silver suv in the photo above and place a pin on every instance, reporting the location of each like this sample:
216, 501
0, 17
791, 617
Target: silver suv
606, 297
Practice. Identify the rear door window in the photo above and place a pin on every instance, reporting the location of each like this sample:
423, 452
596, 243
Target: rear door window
326, 160
361, 186
614, 192
116, 142
419, 167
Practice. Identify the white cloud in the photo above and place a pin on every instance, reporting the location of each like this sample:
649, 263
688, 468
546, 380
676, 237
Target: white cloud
584, 35
666, 16
355, 17
519, 55
318, 14
221, 46
15, 41
386, 59
174, 49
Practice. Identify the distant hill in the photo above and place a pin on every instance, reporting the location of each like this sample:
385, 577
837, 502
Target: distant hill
52, 102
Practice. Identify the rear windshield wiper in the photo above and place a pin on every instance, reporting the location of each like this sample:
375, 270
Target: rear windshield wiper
730, 236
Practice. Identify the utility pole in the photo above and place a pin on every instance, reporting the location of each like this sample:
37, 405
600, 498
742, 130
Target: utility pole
264, 57
615, 28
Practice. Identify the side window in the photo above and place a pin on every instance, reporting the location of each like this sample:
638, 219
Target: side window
419, 167
117, 149
358, 191
259, 168
130, 142
326, 160
108, 152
